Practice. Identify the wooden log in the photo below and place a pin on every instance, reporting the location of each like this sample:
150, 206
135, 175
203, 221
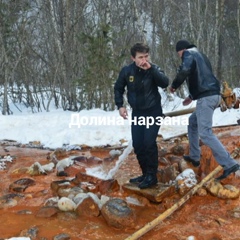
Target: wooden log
168, 212
180, 112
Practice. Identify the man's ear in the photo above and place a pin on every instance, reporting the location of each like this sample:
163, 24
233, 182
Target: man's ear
133, 59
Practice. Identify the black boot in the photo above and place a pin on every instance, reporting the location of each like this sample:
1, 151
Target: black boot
227, 172
195, 163
149, 181
137, 179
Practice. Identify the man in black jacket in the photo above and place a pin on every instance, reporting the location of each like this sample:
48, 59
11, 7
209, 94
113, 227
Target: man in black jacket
205, 88
142, 79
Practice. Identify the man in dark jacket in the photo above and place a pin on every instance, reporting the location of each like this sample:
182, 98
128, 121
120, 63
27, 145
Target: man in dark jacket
205, 88
142, 79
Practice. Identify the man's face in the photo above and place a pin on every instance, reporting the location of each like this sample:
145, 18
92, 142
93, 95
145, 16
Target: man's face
180, 53
141, 59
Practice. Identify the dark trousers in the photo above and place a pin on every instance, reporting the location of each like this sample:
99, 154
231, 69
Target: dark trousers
144, 140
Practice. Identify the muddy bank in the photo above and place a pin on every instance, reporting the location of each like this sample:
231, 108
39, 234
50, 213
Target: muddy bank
205, 217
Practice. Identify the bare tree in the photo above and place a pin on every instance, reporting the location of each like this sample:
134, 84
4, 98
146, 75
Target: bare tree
68, 53
238, 19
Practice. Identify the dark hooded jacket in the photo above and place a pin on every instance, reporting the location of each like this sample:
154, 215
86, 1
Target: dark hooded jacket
142, 86
197, 71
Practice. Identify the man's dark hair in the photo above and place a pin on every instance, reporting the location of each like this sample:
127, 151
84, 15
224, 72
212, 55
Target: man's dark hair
139, 47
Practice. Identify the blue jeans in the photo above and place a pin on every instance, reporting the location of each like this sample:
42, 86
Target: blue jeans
200, 125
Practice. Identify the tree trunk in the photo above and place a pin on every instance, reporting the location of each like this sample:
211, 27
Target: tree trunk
238, 19
190, 20
218, 37
139, 24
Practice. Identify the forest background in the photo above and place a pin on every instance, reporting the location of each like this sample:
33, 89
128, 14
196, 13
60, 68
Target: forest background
69, 52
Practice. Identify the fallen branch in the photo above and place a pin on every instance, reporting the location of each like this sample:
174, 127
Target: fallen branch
168, 212
180, 112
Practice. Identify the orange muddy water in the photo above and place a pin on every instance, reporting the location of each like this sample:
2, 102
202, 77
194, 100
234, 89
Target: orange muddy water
204, 217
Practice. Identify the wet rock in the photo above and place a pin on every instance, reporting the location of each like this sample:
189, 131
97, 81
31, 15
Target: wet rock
21, 170
236, 213
136, 200
229, 191
75, 191
62, 164
178, 149
7, 203
47, 211
56, 155
167, 174
94, 160
118, 214
207, 162
224, 192
174, 159
10, 196
88, 207
64, 192
162, 152
70, 192
185, 181
221, 221
182, 165
66, 204
114, 153
103, 200
163, 161
191, 238
80, 159
38, 169
21, 184
31, 233
106, 161
62, 236
68, 147
83, 177
201, 192
108, 186
86, 186
34, 144
38, 194
62, 184
24, 212
67, 216
101, 186
52, 202
62, 174
80, 197
169, 201
4, 160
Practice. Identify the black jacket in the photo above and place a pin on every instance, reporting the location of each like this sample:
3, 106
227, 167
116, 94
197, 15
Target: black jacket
142, 86
197, 70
